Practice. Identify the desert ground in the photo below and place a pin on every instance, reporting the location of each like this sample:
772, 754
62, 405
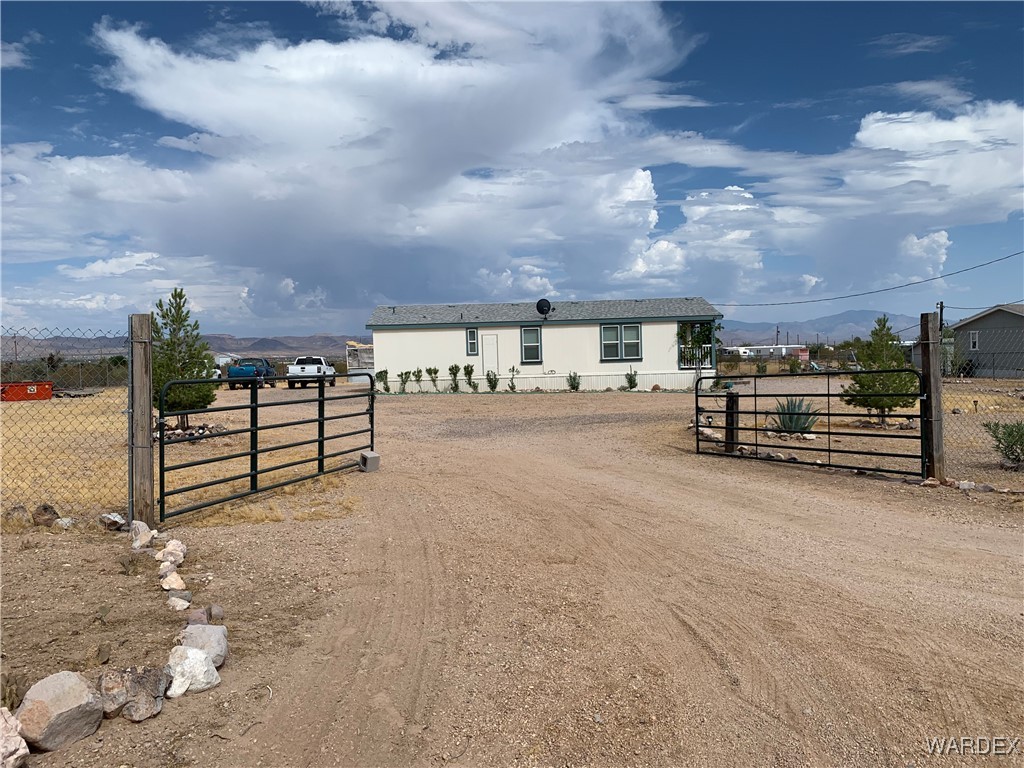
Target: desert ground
555, 580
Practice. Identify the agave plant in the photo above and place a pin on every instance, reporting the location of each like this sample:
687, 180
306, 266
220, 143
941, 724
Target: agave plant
794, 415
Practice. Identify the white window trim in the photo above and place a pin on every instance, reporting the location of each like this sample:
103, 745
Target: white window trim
523, 345
472, 344
621, 337
975, 341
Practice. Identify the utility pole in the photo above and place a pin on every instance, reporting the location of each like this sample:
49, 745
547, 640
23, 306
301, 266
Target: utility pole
787, 338
776, 335
941, 306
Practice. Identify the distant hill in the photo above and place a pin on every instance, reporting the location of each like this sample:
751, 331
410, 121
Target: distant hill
280, 347
845, 325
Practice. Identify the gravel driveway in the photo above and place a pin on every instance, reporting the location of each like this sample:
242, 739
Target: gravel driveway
557, 579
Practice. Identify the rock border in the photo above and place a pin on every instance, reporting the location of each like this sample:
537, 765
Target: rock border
66, 707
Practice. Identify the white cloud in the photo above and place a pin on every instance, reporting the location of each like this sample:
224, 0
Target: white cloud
938, 94
906, 43
495, 152
925, 255
115, 267
16, 55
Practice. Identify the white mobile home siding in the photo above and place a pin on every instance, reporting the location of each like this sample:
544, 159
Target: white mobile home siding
564, 348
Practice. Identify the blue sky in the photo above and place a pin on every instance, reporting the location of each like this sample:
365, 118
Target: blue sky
292, 165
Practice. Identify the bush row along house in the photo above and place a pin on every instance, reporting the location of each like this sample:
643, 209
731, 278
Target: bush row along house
669, 341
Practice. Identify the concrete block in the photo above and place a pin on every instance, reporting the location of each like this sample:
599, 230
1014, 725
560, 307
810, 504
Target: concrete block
369, 461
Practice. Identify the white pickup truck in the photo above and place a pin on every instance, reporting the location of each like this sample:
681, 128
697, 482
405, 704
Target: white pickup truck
306, 370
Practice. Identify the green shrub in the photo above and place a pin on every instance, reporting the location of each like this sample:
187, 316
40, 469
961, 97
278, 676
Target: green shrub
432, 373
492, 380
453, 371
467, 371
403, 380
761, 367
417, 376
794, 415
382, 378
573, 380
512, 378
631, 378
794, 365
1009, 439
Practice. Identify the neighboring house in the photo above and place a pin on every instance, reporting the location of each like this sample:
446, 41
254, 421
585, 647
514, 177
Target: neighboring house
990, 343
221, 359
670, 342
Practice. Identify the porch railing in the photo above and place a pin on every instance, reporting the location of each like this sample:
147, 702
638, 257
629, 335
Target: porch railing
695, 357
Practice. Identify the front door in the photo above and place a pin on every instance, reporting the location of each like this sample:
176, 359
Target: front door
490, 353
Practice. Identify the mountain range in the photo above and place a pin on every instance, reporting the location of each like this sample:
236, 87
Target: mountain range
828, 329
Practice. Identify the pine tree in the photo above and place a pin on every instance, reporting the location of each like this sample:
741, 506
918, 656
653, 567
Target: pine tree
179, 352
882, 392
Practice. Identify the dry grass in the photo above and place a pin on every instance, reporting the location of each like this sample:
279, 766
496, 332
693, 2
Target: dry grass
70, 452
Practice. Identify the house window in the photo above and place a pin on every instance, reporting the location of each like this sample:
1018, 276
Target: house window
530, 338
975, 346
472, 347
621, 342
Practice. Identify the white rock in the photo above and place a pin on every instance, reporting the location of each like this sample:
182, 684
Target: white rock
172, 556
67, 523
172, 581
59, 710
177, 603
176, 545
141, 534
965, 485
211, 638
191, 670
13, 749
166, 568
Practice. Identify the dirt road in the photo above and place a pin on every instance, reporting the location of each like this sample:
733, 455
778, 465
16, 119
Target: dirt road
558, 580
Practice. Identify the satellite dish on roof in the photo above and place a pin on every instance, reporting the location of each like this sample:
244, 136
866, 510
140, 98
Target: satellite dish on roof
543, 307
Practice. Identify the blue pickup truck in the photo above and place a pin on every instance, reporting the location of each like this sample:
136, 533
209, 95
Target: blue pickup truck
249, 367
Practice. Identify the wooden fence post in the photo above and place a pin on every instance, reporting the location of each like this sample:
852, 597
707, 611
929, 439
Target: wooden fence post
141, 398
931, 406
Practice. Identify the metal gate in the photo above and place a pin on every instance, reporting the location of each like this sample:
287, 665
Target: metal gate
225, 461
809, 418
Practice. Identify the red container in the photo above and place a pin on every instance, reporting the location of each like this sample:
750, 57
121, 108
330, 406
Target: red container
26, 390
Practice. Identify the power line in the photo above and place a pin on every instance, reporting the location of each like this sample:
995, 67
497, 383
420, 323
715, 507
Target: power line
992, 306
869, 293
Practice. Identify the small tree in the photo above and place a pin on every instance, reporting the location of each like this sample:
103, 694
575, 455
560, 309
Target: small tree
467, 371
382, 378
573, 381
492, 380
631, 379
403, 381
179, 352
432, 373
453, 371
881, 392
512, 378
417, 376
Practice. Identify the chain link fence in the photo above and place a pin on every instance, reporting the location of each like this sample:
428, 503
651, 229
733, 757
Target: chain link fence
63, 420
983, 384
